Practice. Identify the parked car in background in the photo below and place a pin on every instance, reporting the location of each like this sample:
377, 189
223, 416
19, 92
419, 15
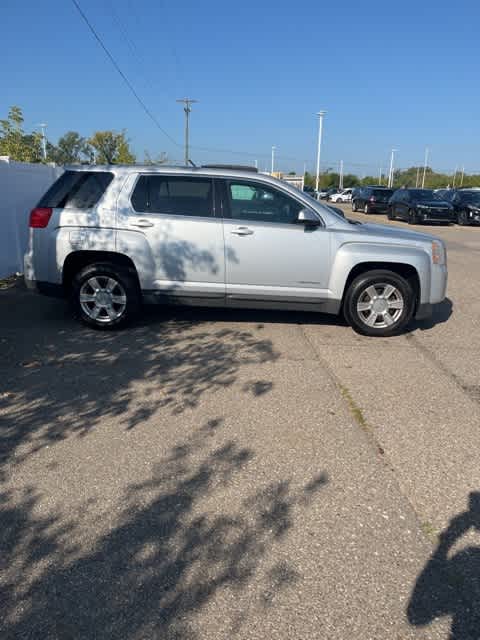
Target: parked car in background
466, 205
111, 238
343, 196
371, 199
325, 195
419, 205
310, 190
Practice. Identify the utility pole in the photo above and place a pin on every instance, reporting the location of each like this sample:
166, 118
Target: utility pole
340, 185
187, 102
418, 177
425, 167
390, 175
461, 179
320, 115
273, 159
455, 177
43, 126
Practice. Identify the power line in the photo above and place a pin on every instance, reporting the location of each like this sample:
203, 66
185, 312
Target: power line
123, 76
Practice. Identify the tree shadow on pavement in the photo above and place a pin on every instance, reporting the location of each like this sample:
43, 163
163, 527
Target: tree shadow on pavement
449, 585
180, 541
61, 379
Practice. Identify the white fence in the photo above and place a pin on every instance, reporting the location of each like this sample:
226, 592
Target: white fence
21, 186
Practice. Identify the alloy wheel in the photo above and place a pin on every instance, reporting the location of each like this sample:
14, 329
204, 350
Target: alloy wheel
380, 305
103, 299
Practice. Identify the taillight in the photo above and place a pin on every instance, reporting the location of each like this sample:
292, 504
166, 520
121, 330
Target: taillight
39, 217
372, 198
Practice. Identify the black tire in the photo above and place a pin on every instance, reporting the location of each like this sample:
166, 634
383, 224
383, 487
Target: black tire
462, 219
412, 217
127, 288
354, 205
366, 209
390, 215
357, 289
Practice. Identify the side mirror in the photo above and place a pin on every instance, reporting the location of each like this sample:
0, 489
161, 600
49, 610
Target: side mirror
308, 218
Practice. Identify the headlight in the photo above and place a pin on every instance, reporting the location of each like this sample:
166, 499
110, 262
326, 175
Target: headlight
438, 252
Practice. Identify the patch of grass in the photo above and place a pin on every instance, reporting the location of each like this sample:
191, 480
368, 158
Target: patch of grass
7, 283
429, 530
358, 416
354, 408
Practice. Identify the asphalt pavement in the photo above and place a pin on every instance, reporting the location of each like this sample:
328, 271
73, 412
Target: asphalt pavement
233, 474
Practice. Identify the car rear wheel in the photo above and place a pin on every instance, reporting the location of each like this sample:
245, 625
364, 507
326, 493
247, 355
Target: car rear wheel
390, 215
379, 303
105, 296
462, 218
366, 209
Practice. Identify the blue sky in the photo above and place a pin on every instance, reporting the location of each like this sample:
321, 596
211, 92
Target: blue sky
402, 75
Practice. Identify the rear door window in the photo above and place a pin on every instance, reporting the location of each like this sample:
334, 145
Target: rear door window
77, 189
173, 195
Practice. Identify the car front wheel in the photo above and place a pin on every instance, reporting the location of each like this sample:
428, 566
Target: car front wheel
105, 296
462, 218
379, 303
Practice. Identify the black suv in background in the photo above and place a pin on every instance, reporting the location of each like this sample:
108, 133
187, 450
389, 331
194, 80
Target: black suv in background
466, 205
419, 205
371, 199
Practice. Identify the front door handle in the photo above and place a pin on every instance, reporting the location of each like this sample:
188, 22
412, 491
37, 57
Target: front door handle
142, 223
242, 231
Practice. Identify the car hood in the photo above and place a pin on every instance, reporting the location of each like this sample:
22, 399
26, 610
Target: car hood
386, 232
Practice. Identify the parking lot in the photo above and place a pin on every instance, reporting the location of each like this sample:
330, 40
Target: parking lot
233, 474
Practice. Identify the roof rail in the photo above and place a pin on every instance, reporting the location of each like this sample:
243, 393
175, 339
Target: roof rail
239, 167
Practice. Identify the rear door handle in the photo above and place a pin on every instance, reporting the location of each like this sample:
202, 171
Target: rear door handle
142, 223
242, 231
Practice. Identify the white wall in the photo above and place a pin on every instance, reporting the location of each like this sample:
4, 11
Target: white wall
21, 186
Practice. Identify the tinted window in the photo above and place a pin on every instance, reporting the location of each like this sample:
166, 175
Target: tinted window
173, 196
383, 194
422, 195
471, 197
250, 201
79, 189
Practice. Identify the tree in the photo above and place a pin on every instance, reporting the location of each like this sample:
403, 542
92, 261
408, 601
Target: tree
111, 148
71, 148
15, 143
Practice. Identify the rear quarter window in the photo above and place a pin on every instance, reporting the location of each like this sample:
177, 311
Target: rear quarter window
77, 190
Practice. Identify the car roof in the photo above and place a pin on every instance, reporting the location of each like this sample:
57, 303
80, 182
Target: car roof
219, 171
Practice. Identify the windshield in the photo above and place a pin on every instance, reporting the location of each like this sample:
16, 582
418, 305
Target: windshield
472, 197
423, 195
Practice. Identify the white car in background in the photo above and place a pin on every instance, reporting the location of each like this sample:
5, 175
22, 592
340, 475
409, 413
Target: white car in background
343, 196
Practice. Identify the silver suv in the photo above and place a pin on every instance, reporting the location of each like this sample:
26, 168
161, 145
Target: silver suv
113, 237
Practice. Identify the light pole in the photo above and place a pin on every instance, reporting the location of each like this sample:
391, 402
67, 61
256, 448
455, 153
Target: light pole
461, 179
43, 126
273, 159
187, 102
425, 167
340, 180
320, 115
390, 175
